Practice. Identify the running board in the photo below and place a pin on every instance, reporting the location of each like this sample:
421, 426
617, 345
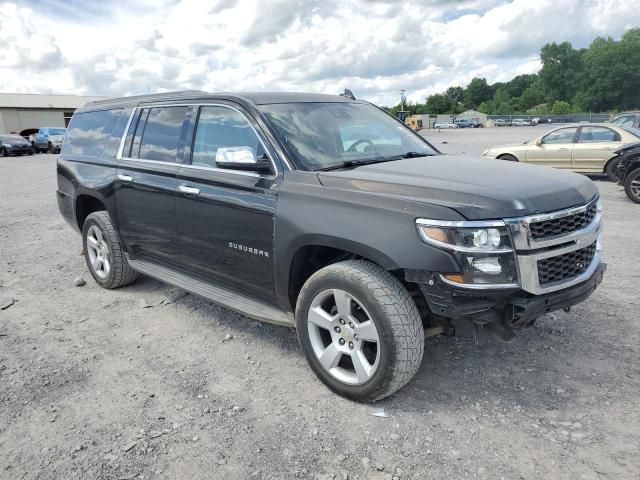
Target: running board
250, 307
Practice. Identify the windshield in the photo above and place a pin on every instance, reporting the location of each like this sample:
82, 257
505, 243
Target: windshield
633, 131
323, 135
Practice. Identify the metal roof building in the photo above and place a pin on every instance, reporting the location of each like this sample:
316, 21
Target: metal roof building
19, 111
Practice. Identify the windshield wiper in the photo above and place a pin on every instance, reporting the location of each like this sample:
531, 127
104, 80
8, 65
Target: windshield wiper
357, 163
354, 163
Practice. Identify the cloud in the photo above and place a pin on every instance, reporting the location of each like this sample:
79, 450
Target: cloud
374, 47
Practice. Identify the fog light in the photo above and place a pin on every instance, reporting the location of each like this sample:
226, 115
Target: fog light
489, 265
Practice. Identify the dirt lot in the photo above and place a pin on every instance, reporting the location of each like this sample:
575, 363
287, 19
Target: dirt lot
94, 386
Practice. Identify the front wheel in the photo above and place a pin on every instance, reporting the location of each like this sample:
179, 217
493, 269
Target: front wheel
4, 152
632, 185
103, 252
611, 169
360, 330
508, 158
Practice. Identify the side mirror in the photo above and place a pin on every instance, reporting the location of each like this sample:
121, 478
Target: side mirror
241, 158
539, 142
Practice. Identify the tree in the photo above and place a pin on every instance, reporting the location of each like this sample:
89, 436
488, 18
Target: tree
477, 91
560, 107
438, 103
561, 70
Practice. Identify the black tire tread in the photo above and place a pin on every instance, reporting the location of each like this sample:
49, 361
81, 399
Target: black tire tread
401, 311
627, 185
123, 274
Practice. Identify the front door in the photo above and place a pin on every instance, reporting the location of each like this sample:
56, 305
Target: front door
594, 147
553, 149
146, 183
226, 217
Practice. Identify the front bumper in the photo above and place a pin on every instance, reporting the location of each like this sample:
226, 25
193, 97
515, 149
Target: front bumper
19, 149
511, 309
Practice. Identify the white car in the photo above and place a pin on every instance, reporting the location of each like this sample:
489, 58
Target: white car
519, 122
445, 125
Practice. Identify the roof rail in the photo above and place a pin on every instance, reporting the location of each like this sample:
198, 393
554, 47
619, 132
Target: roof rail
152, 96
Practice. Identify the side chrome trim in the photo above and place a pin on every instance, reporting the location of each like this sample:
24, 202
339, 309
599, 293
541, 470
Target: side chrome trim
215, 169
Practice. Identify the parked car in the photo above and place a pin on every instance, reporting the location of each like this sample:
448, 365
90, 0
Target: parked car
14, 145
499, 122
476, 124
445, 125
520, 122
48, 139
265, 203
581, 148
627, 119
628, 172
464, 123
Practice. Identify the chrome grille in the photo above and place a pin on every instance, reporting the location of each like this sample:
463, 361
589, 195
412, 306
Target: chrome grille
563, 225
567, 266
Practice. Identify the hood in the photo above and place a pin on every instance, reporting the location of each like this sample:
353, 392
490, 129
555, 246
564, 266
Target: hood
628, 147
478, 188
56, 138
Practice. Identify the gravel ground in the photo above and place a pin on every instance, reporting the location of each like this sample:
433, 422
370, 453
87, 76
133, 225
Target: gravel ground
98, 384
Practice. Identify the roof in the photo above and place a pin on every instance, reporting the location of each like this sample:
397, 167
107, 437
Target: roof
256, 98
33, 100
472, 112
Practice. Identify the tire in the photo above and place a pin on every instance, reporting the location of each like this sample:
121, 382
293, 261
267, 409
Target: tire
610, 169
632, 185
4, 153
50, 148
114, 270
508, 158
388, 350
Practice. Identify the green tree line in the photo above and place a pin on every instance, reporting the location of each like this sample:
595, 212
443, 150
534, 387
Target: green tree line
604, 77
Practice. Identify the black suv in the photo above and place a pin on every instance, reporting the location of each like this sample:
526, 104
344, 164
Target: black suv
325, 213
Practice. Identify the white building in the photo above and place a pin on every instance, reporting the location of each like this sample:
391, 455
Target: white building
19, 111
473, 115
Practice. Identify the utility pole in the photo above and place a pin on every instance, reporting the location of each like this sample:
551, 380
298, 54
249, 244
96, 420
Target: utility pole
402, 100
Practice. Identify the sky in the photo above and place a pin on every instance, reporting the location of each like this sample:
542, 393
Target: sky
373, 47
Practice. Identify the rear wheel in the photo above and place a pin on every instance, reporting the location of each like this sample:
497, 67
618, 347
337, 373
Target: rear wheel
360, 330
610, 169
103, 252
632, 185
508, 158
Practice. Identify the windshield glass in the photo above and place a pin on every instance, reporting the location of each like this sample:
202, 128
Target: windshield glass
633, 131
57, 131
322, 135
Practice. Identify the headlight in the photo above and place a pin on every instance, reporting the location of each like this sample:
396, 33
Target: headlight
6, 145
485, 152
483, 250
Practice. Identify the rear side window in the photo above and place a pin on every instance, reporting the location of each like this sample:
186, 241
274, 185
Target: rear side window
158, 138
88, 132
598, 134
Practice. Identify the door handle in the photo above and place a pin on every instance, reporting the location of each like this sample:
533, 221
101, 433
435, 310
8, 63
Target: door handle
562, 149
189, 190
125, 178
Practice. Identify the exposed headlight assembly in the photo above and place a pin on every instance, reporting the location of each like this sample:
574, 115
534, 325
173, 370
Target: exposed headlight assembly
483, 250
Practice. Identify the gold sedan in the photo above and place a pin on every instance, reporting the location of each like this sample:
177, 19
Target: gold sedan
585, 148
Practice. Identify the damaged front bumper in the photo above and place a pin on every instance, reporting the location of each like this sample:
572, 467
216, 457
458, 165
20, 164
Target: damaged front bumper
500, 311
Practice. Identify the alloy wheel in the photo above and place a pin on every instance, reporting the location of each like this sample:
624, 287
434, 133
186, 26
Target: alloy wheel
98, 251
343, 336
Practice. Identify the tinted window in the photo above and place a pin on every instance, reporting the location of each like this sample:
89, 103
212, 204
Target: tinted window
89, 131
161, 134
597, 134
220, 127
564, 135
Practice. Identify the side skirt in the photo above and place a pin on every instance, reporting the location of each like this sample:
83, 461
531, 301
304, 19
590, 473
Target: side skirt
248, 306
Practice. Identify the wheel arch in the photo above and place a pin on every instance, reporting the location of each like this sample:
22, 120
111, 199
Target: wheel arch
502, 156
311, 254
86, 204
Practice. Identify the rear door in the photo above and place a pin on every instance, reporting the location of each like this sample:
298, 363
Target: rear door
594, 147
146, 182
554, 149
226, 217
